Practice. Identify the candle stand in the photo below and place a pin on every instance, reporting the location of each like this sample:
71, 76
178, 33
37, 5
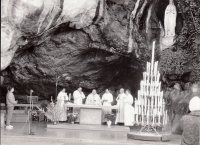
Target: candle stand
151, 117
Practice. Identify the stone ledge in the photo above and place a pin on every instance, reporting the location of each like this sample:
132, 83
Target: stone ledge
89, 127
148, 137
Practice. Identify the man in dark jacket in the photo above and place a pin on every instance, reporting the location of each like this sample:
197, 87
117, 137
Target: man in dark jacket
10, 101
190, 124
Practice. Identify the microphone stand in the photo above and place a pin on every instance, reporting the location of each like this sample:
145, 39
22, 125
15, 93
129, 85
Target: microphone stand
30, 114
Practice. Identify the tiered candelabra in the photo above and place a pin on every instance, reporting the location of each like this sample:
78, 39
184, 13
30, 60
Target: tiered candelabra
150, 106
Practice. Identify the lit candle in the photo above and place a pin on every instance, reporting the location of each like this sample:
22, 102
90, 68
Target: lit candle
147, 89
153, 119
149, 106
163, 121
155, 68
135, 105
163, 107
156, 104
145, 104
152, 100
141, 86
166, 117
144, 77
147, 67
159, 86
148, 77
158, 77
152, 58
159, 119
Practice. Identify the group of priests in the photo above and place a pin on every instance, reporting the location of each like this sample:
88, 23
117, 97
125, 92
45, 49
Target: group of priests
124, 100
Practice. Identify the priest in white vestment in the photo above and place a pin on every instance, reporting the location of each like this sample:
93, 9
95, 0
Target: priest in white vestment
61, 98
93, 98
120, 102
128, 110
107, 100
78, 96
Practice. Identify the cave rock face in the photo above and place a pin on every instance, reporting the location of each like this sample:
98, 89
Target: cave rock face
29, 18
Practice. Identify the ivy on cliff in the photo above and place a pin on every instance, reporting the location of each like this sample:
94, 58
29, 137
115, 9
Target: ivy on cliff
184, 56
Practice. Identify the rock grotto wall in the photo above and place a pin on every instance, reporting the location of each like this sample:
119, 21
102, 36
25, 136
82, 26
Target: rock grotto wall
95, 44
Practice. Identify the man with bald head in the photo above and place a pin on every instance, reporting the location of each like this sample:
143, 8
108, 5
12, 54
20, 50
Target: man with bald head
93, 98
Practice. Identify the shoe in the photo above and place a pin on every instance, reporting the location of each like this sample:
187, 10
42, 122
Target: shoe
9, 127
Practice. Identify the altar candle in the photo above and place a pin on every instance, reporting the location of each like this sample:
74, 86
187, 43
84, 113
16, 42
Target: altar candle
166, 117
51, 99
69, 96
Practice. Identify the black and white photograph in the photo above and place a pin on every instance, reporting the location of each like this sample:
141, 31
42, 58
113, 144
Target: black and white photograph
100, 72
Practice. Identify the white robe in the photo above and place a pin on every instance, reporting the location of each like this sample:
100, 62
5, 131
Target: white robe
93, 99
107, 99
129, 115
62, 96
78, 99
120, 113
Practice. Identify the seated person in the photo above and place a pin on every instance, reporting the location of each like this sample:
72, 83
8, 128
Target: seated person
93, 98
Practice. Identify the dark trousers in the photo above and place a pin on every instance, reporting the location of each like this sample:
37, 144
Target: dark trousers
9, 114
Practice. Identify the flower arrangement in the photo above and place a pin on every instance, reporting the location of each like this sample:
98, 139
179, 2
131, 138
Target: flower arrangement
109, 116
53, 112
71, 117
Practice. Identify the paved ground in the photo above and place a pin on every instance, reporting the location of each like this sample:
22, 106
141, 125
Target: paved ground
46, 136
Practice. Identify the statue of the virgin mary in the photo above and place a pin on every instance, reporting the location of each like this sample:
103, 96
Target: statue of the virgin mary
169, 24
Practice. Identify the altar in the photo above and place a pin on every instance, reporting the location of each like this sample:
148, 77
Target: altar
91, 114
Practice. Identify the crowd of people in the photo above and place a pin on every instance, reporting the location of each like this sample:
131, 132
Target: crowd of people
189, 124
124, 101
